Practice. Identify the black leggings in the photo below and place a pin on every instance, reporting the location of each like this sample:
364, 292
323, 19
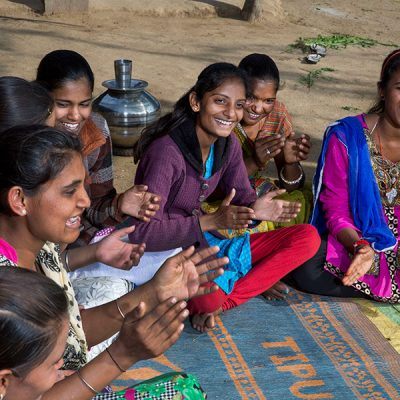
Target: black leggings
311, 277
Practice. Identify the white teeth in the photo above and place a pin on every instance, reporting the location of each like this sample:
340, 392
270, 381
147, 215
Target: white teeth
252, 115
72, 127
73, 220
221, 121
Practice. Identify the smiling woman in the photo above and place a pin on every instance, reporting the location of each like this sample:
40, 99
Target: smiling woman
70, 80
42, 196
199, 154
33, 333
357, 209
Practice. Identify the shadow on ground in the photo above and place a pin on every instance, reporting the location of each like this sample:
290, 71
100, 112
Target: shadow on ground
224, 10
35, 5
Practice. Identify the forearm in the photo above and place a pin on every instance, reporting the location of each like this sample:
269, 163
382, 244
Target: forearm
347, 237
251, 165
101, 322
98, 373
207, 222
79, 257
103, 211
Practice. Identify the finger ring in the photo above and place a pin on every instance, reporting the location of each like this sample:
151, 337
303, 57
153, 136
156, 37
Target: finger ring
267, 151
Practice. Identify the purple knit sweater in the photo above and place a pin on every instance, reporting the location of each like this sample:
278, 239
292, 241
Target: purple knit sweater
172, 170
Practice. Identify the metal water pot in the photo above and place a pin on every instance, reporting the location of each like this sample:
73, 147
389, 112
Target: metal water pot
127, 107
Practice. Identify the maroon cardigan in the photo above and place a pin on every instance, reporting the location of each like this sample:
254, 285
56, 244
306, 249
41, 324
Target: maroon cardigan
172, 168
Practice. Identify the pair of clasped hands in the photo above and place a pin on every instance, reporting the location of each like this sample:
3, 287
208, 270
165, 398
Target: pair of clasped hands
267, 147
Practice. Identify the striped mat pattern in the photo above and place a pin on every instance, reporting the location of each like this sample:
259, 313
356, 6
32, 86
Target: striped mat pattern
308, 347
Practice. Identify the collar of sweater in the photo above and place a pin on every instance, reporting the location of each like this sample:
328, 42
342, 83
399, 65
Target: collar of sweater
186, 139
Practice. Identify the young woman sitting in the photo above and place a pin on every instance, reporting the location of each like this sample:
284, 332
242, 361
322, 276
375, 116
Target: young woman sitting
42, 199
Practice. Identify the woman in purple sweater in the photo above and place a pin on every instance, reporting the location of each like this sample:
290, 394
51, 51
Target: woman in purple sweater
184, 157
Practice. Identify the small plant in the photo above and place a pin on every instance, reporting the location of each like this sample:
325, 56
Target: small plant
335, 41
350, 108
311, 77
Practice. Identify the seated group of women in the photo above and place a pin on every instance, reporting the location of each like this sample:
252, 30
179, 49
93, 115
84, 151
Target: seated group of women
202, 181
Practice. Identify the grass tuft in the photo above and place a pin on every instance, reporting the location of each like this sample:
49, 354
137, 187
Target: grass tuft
335, 41
312, 76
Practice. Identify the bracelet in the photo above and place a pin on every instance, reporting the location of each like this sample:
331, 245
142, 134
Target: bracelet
66, 261
295, 181
360, 243
86, 383
374, 269
119, 309
114, 360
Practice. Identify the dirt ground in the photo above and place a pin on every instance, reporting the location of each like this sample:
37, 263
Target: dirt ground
171, 42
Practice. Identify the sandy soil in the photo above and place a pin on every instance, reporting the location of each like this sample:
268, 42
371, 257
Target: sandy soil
170, 45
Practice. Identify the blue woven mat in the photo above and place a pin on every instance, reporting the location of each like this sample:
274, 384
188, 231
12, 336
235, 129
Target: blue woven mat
308, 347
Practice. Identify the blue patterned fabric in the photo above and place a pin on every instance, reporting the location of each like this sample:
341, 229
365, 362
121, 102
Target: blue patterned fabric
236, 249
365, 200
305, 347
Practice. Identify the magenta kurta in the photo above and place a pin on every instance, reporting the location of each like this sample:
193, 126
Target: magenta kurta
334, 199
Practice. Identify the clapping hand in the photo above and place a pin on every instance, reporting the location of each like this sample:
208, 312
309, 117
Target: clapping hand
360, 265
232, 217
113, 251
267, 147
139, 203
183, 274
296, 150
149, 333
267, 208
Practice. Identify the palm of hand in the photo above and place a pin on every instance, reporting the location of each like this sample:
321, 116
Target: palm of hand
267, 209
113, 251
135, 202
359, 266
361, 263
177, 278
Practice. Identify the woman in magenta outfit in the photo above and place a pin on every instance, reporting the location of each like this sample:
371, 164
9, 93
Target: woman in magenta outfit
183, 158
357, 187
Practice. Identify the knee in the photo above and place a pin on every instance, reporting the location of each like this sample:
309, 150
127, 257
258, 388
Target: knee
311, 240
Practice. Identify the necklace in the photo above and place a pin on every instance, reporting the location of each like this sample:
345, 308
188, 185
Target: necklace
387, 172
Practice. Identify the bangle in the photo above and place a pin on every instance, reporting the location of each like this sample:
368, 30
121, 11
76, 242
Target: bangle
86, 383
114, 360
66, 261
295, 181
119, 309
358, 244
374, 269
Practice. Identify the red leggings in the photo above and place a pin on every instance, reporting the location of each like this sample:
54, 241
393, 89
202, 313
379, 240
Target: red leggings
274, 254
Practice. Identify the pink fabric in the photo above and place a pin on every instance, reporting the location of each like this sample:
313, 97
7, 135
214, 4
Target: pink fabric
8, 251
335, 204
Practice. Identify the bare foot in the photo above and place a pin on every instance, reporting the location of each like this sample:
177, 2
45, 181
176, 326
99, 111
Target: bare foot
203, 322
276, 292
